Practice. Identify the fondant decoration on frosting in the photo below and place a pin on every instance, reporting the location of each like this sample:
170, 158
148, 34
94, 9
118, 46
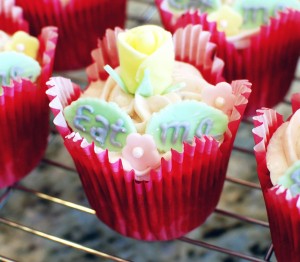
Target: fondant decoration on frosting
228, 20
291, 179
146, 55
24, 43
99, 121
203, 5
257, 12
220, 97
4, 38
141, 152
14, 65
183, 121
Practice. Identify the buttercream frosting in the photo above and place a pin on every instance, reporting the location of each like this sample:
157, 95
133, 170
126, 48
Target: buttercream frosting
283, 151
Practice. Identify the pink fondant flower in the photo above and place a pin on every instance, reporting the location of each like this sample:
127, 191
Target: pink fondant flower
220, 97
141, 152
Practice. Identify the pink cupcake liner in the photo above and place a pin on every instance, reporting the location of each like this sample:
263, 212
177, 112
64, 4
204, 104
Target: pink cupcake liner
282, 209
269, 62
80, 24
24, 112
181, 194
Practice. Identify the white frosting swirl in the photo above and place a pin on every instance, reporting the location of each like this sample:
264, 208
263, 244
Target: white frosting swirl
284, 148
140, 108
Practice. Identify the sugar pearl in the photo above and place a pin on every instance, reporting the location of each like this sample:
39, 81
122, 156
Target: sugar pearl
219, 102
137, 152
20, 47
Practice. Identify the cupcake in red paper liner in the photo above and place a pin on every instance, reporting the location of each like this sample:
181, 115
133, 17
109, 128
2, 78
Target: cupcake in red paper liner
25, 65
258, 41
80, 24
278, 164
150, 137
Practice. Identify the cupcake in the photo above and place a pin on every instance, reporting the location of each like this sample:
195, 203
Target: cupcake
258, 41
80, 24
25, 64
152, 133
278, 163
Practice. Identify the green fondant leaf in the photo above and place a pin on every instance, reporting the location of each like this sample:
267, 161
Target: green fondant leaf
182, 121
291, 179
204, 5
116, 77
99, 121
145, 88
14, 65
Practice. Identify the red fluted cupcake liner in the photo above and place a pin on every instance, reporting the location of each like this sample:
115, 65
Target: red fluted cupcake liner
269, 62
282, 209
24, 114
80, 24
11, 17
181, 193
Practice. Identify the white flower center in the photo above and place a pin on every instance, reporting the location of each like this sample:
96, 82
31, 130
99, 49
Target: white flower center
20, 47
224, 23
219, 102
137, 152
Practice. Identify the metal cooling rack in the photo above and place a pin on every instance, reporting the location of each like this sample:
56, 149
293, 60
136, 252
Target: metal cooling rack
4, 197
139, 12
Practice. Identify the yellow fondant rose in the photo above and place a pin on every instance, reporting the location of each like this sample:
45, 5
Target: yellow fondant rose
146, 48
24, 43
227, 19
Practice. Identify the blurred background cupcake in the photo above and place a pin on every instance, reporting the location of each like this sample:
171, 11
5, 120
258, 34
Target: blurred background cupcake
25, 65
257, 40
141, 184
278, 162
80, 23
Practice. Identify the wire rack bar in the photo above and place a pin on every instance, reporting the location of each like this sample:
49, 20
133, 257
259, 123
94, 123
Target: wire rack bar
57, 200
59, 240
241, 217
4, 197
59, 165
269, 253
219, 249
242, 182
5, 259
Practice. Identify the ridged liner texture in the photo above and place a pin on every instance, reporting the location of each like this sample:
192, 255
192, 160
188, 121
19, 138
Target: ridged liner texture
182, 193
24, 110
283, 210
80, 24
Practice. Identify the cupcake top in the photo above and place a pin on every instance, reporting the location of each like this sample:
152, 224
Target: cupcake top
150, 104
234, 17
283, 155
18, 54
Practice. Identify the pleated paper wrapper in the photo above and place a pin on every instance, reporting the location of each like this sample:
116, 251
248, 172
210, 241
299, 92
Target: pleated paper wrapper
24, 117
80, 24
183, 191
283, 210
11, 17
268, 60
